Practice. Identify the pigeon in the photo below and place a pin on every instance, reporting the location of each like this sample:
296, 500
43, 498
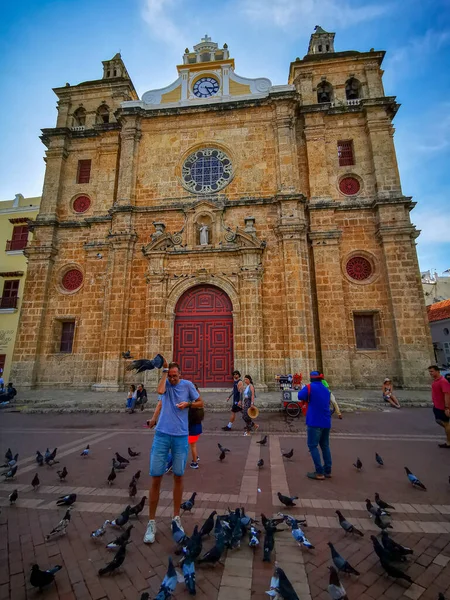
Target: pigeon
245, 520
208, 525
112, 476
263, 442
145, 596
219, 532
189, 504
260, 463
62, 474
101, 530
222, 456
116, 562
35, 482
12, 462
340, 563
121, 459
49, 457
289, 454
373, 510
141, 365
285, 589
169, 583
253, 535
358, 464
188, 569
137, 475
393, 547
212, 557
132, 488
288, 519
121, 539
193, 546
335, 587
222, 449
380, 551
132, 453
414, 480
299, 536
10, 473
236, 535
8, 455
178, 535
126, 354
379, 459
39, 458
441, 596
382, 504
123, 518
85, 451
347, 526
269, 544
66, 500
272, 523
118, 466
382, 520
40, 579
394, 572
61, 527
138, 508
13, 497
286, 500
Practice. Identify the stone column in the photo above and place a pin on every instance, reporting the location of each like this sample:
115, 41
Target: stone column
56, 156
380, 134
28, 347
409, 320
331, 307
314, 132
287, 163
129, 144
115, 312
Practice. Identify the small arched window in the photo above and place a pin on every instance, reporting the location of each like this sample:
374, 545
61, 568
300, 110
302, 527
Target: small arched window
79, 117
352, 89
205, 57
103, 114
324, 92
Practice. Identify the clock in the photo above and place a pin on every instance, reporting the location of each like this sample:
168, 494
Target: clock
206, 87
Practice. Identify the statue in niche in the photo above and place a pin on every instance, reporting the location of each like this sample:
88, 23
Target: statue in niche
204, 235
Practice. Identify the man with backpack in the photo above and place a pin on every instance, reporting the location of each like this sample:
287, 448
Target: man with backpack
318, 424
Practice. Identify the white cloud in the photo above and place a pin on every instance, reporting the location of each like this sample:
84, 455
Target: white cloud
159, 15
290, 14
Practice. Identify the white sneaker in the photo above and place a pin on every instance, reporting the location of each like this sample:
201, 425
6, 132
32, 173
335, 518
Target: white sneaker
178, 522
149, 536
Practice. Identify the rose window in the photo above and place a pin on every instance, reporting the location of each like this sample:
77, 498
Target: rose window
72, 280
349, 186
359, 268
81, 204
207, 171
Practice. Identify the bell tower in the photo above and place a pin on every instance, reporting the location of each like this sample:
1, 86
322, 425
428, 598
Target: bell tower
321, 41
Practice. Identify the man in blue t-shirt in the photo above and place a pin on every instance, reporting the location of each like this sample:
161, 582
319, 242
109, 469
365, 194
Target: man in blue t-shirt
318, 424
171, 435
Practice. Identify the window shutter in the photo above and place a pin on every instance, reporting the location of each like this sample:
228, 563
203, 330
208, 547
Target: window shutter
84, 171
345, 153
67, 335
365, 332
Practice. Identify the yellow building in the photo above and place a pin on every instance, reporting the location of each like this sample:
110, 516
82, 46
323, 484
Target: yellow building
14, 234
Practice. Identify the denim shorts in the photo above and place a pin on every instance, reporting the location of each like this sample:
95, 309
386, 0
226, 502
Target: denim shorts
164, 443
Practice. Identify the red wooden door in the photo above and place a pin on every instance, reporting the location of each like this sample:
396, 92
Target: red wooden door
203, 340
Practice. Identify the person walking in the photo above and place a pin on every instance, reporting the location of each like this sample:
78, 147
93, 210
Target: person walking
249, 400
195, 430
171, 435
388, 393
440, 395
236, 394
318, 425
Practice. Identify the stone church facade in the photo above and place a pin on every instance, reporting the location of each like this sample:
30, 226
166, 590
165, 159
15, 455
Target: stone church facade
227, 223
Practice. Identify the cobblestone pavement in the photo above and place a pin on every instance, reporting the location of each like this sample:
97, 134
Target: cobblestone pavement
404, 438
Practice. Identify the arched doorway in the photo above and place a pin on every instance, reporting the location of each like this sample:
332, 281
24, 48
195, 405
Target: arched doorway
203, 339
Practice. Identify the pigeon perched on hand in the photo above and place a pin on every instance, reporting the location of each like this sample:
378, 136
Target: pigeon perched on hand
35, 482
40, 579
121, 539
112, 476
263, 442
116, 562
62, 474
289, 454
340, 563
123, 518
189, 504
358, 464
208, 525
414, 480
67, 500
382, 504
379, 459
260, 463
10, 473
347, 526
138, 508
394, 572
98, 533
132, 453
287, 500
13, 497
85, 451
335, 587
169, 583
61, 527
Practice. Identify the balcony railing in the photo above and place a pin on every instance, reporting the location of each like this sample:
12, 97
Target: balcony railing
8, 301
16, 245
78, 128
354, 102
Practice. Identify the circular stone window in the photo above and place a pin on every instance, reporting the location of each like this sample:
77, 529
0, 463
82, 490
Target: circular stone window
349, 186
207, 171
359, 268
72, 280
81, 204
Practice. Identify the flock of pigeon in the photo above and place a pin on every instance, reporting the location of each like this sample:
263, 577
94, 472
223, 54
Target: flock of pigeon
229, 530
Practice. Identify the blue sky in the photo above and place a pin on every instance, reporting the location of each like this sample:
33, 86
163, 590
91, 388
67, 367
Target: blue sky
48, 43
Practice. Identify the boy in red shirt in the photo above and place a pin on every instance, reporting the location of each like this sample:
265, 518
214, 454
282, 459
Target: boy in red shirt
440, 394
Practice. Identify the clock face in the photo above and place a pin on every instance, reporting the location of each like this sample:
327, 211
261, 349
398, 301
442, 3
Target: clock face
206, 87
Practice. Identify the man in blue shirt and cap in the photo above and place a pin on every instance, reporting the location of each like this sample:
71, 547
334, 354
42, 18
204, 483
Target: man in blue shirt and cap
318, 424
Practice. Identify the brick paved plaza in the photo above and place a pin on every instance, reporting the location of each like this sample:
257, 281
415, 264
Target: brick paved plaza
404, 438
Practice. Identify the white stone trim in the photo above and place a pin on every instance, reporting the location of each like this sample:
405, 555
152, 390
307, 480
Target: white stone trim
260, 85
154, 96
13, 252
21, 209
